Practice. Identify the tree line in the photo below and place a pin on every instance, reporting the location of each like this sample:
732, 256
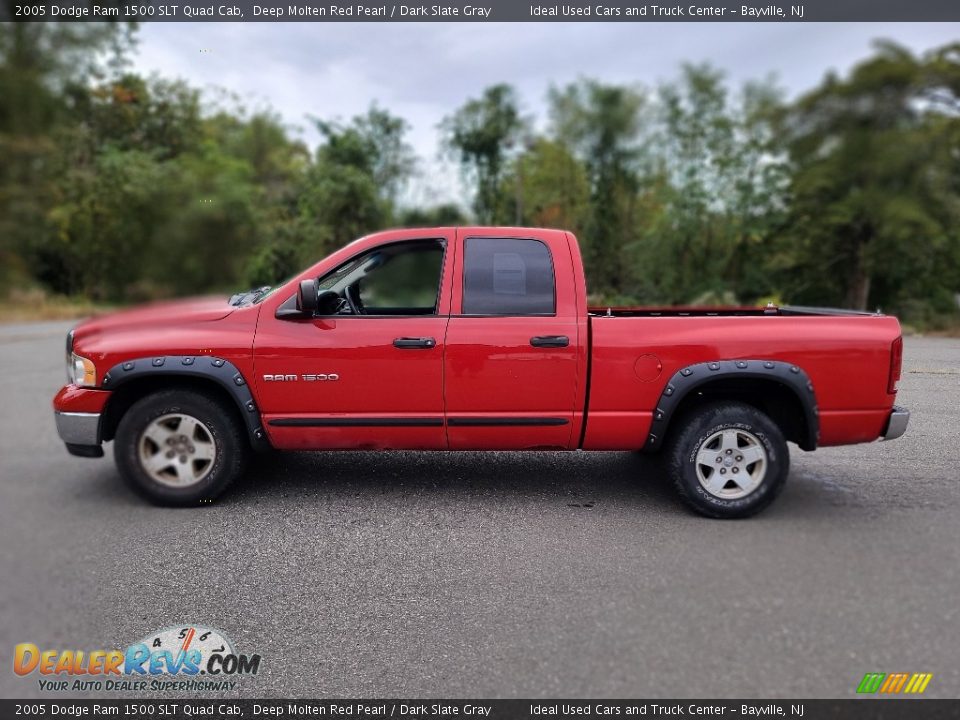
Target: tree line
119, 187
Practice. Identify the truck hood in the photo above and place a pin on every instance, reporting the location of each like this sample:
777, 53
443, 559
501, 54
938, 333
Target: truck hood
157, 315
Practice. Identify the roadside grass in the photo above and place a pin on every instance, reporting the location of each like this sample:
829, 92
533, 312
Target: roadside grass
36, 305
951, 332
940, 327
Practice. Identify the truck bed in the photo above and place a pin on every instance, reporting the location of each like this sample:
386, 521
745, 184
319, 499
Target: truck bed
635, 352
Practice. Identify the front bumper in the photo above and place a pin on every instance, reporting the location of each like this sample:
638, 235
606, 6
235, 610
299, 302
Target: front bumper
79, 412
80, 432
79, 428
897, 423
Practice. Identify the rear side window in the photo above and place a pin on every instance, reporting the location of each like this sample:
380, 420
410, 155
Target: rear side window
507, 276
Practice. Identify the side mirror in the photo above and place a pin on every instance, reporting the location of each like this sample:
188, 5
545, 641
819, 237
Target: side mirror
307, 296
328, 302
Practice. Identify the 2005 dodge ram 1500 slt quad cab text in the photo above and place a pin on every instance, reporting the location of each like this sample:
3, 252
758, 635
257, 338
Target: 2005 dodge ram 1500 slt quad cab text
473, 338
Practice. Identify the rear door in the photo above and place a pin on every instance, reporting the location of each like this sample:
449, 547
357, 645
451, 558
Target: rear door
511, 361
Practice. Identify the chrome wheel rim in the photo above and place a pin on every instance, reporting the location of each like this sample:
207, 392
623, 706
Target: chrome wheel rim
731, 463
177, 450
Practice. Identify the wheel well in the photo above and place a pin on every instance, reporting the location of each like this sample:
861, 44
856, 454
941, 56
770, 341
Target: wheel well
779, 402
137, 388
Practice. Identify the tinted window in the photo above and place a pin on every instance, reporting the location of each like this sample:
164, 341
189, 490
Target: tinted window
504, 276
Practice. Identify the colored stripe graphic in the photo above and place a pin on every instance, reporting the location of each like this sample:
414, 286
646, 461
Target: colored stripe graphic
918, 683
895, 683
871, 682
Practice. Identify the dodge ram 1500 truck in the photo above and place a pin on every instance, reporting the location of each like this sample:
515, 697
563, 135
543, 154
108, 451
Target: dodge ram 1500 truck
473, 338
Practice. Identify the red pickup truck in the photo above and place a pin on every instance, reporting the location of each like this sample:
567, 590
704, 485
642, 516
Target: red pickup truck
473, 338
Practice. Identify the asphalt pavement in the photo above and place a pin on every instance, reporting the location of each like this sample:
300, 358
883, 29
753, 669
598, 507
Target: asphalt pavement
496, 575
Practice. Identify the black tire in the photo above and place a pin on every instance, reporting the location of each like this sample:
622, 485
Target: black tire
230, 446
693, 433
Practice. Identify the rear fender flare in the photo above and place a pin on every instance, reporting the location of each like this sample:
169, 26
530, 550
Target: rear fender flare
692, 377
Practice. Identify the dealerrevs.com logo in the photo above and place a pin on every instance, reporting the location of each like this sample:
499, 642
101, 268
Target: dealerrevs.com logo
188, 658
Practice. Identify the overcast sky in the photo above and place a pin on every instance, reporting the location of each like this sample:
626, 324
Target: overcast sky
423, 71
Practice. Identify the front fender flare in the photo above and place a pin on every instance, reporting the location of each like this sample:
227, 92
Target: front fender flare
222, 372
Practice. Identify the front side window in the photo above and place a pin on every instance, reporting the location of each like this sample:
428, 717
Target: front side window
396, 279
507, 276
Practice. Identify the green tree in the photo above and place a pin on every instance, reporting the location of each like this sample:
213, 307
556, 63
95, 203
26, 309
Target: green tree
350, 189
602, 124
721, 180
874, 188
41, 67
279, 167
158, 116
446, 215
550, 187
149, 202
482, 135
104, 221
392, 160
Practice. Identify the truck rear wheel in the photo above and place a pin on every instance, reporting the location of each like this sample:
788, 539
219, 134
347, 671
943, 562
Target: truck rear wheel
178, 447
728, 460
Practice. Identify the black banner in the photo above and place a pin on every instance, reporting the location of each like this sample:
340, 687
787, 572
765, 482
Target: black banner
482, 11
872, 709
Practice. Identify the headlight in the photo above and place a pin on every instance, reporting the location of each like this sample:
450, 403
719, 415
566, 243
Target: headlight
81, 372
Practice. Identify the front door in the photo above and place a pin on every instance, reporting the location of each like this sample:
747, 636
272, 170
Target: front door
370, 376
512, 346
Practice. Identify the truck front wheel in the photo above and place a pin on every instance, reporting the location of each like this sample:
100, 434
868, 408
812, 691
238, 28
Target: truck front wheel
179, 447
728, 460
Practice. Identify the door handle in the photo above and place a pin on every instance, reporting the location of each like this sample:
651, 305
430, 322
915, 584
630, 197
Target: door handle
411, 343
550, 341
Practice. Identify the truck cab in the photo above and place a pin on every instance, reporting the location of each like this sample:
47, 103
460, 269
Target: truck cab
453, 341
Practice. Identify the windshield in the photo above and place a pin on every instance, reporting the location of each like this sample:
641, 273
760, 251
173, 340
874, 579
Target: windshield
249, 296
331, 281
269, 291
